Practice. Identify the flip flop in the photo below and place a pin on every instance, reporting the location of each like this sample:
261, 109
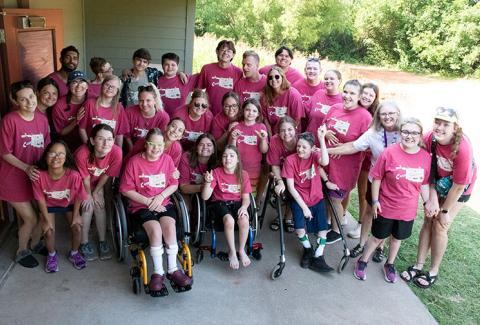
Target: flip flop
412, 273
430, 279
274, 225
288, 225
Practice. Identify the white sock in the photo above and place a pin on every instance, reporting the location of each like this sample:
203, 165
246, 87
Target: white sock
156, 252
52, 254
321, 245
172, 251
304, 240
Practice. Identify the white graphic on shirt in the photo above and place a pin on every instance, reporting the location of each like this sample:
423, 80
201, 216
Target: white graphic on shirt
192, 135
341, 126
251, 140
36, 140
172, 93
251, 94
58, 195
141, 133
415, 175
307, 174
231, 188
110, 123
444, 163
279, 111
322, 108
95, 171
196, 178
153, 180
223, 82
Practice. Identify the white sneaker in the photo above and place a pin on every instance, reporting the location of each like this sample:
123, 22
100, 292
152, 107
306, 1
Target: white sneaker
355, 233
345, 218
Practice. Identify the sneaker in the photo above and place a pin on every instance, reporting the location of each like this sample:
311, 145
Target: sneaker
104, 251
40, 249
157, 286
318, 264
355, 233
88, 252
390, 273
180, 279
306, 257
356, 251
360, 271
333, 237
77, 260
26, 259
346, 215
51, 265
378, 256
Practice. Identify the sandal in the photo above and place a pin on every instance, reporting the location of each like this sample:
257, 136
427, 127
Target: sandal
430, 279
288, 225
275, 225
410, 274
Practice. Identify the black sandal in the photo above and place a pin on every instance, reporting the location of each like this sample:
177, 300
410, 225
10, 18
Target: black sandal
275, 225
412, 273
288, 225
430, 279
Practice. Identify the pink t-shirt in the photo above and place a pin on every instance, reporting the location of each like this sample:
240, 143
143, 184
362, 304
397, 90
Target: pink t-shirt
289, 103
189, 175
148, 178
26, 140
62, 85
462, 169
306, 176
317, 108
174, 151
277, 153
174, 93
401, 174
140, 125
94, 90
246, 89
248, 144
227, 188
347, 125
109, 165
292, 75
306, 90
220, 125
94, 116
193, 129
217, 81
61, 192
62, 115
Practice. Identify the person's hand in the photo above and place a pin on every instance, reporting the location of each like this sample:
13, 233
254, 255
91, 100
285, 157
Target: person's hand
32, 172
321, 131
262, 134
80, 114
183, 77
231, 126
331, 138
431, 208
235, 134
307, 213
279, 188
444, 218
156, 203
208, 177
176, 174
376, 209
98, 199
46, 226
242, 212
88, 203
127, 73
332, 186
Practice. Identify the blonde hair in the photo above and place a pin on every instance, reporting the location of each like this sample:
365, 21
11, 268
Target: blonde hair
115, 99
416, 121
457, 139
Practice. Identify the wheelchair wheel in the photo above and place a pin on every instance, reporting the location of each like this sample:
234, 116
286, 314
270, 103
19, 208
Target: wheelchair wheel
118, 226
197, 217
253, 213
277, 271
343, 263
136, 282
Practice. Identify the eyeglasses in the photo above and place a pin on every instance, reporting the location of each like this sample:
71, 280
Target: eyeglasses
412, 133
52, 154
230, 106
389, 114
198, 105
277, 76
148, 88
108, 86
154, 144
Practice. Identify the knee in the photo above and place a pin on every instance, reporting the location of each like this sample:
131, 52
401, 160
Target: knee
228, 222
76, 229
243, 222
49, 233
439, 229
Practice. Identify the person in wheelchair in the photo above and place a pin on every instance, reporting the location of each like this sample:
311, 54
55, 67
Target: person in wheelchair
148, 183
229, 186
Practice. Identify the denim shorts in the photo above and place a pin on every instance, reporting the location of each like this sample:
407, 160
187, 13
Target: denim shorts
314, 225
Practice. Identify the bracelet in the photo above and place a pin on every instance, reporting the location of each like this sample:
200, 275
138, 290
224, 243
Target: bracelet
424, 203
375, 201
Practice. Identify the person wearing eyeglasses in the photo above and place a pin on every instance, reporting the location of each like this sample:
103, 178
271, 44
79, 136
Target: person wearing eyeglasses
100, 68
59, 189
400, 176
384, 131
279, 99
283, 60
148, 114
252, 83
219, 77
227, 119
197, 118
451, 185
106, 109
312, 83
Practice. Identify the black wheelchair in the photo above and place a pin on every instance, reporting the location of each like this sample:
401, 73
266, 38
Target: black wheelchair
127, 236
203, 221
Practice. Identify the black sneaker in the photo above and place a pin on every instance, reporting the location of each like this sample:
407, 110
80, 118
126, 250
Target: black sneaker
378, 256
26, 259
306, 257
333, 237
318, 264
356, 251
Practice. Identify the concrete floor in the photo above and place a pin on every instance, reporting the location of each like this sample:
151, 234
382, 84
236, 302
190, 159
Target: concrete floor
101, 294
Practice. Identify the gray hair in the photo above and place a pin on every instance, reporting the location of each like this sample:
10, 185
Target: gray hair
377, 123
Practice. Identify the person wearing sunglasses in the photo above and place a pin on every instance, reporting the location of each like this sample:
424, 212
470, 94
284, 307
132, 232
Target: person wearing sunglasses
279, 99
283, 60
252, 82
451, 183
197, 118
219, 77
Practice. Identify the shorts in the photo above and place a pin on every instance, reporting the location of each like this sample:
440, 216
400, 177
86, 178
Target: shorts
337, 194
382, 228
316, 224
60, 209
220, 209
368, 193
144, 215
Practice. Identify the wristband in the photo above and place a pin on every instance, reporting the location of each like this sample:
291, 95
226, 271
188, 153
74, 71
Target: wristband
375, 201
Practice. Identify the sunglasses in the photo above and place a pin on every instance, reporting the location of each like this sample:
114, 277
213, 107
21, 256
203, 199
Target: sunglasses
313, 60
446, 110
277, 76
198, 105
412, 133
148, 88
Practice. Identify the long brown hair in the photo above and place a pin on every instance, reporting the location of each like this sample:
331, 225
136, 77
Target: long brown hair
457, 139
373, 108
115, 99
268, 92
97, 128
212, 161
238, 168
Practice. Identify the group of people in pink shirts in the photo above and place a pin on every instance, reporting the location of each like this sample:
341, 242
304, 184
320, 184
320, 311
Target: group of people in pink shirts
220, 133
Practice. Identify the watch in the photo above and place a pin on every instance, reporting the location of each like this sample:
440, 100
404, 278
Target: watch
444, 211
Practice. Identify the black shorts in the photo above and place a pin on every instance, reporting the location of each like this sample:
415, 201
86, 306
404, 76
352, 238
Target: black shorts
382, 228
60, 209
144, 215
219, 209
368, 193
